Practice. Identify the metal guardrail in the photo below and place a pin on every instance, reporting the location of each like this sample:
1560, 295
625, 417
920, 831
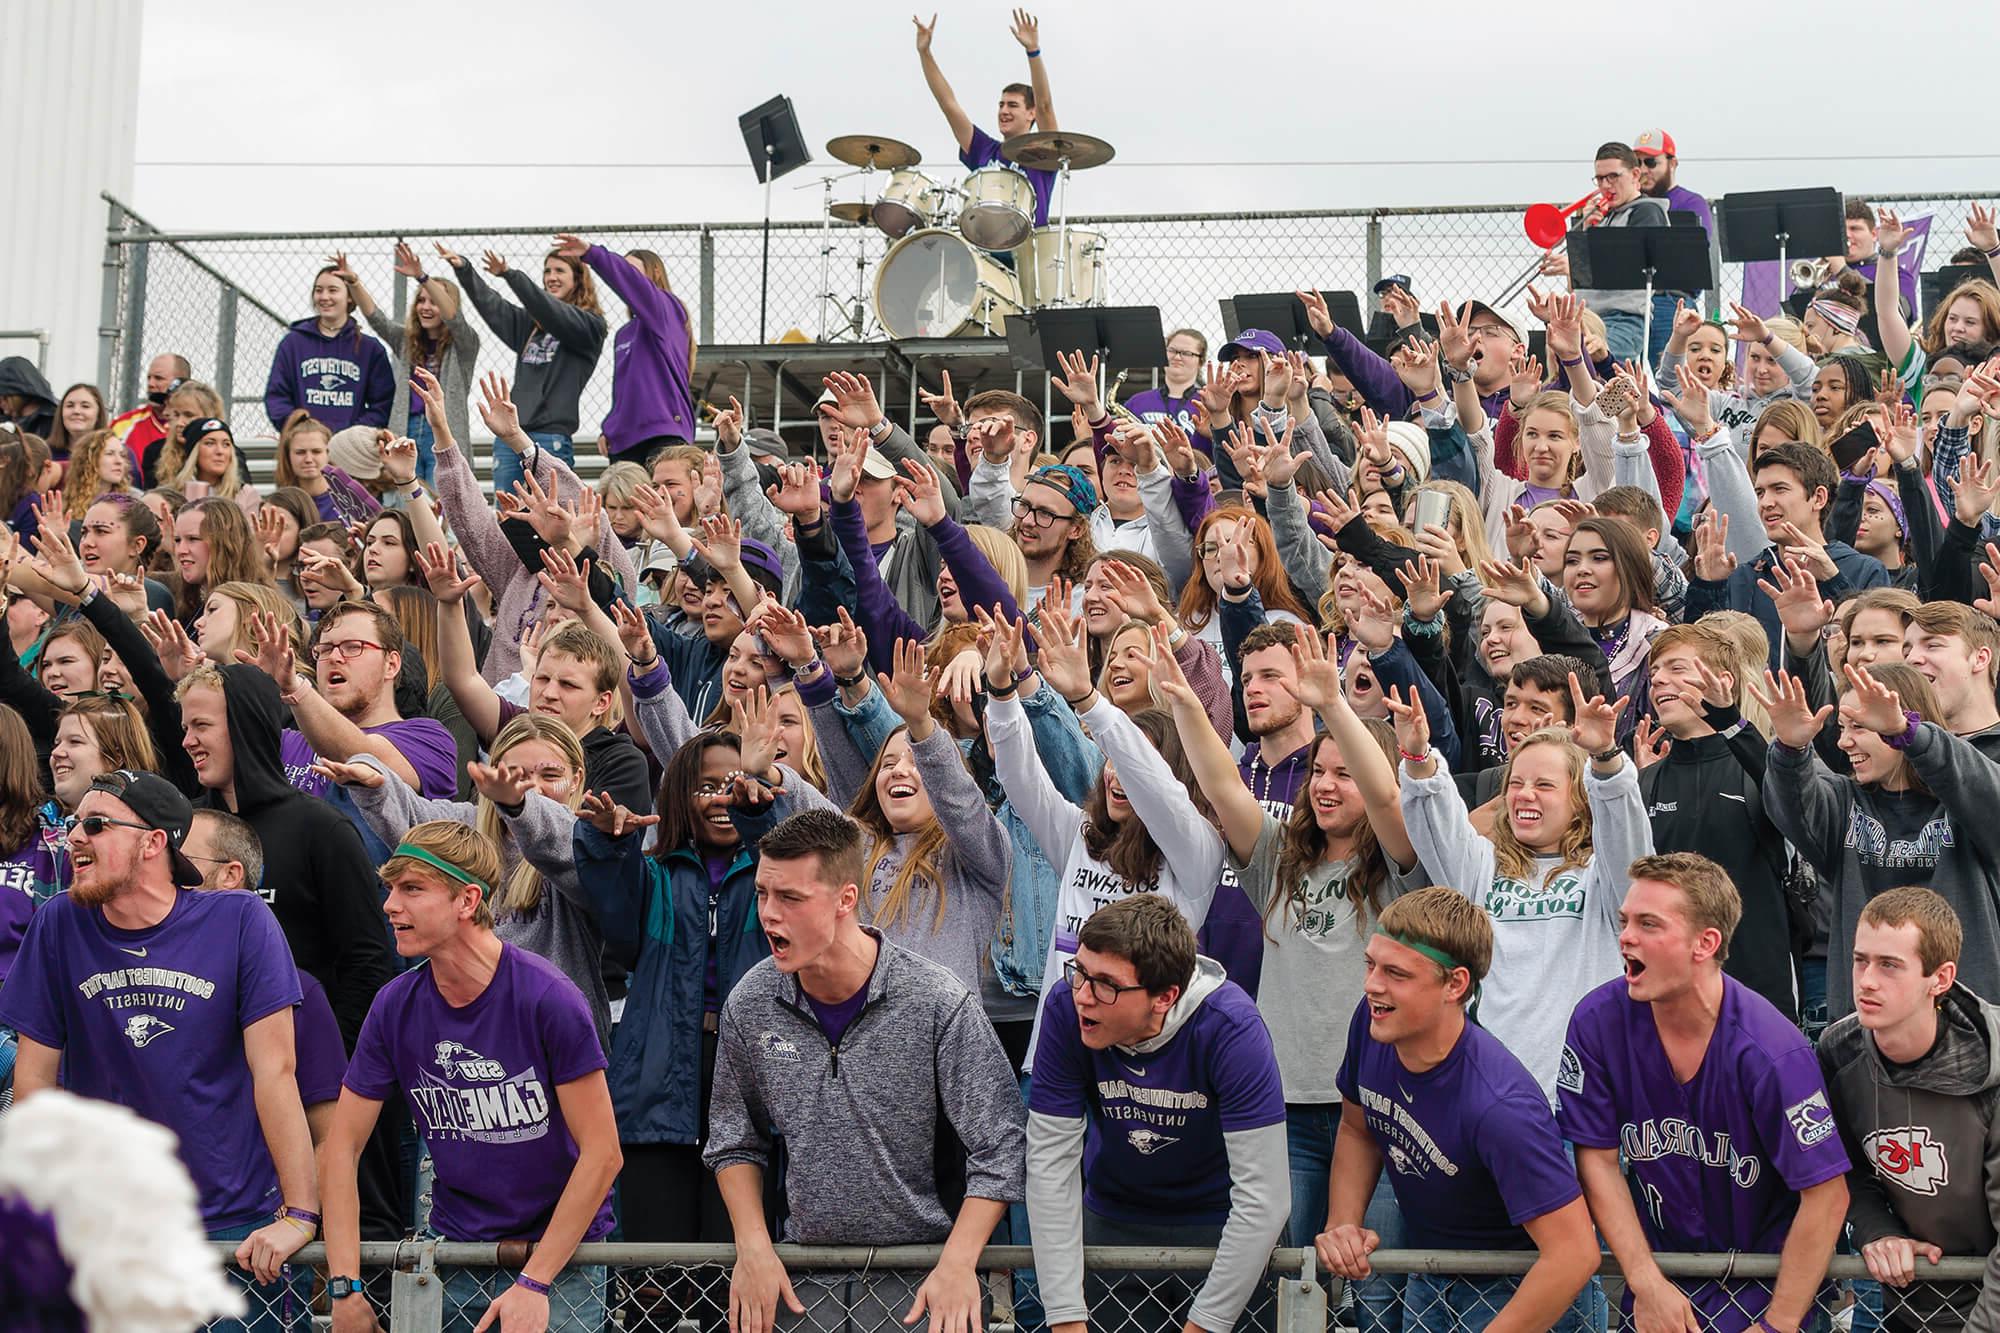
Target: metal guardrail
432, 1286
40, 337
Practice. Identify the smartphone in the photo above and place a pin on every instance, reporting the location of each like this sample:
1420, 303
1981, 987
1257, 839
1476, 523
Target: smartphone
1433, 507
1850, 448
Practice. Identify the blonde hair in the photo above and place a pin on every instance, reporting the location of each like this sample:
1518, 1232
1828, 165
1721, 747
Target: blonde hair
206, 402
1510, 857
621, 481
1791, 416
1788, 331
456, 845
921, 861
81, 487
250, 598
1467, 516
1004, 554
522, 893
1752, 645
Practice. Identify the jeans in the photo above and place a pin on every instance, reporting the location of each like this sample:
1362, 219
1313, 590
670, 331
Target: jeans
507, 464
1625, 334
427, 466
1663, 323
1310, 1131
1812, 997
576, 1298
1434, 1303
275, 1307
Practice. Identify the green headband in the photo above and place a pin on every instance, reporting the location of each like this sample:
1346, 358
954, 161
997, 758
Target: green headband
462, 876
1430, 951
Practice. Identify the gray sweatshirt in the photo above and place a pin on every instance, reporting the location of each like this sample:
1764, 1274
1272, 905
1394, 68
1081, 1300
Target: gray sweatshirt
563, 925
859, 1121
1640, 212
1260, 1199
454, 372
1555, 936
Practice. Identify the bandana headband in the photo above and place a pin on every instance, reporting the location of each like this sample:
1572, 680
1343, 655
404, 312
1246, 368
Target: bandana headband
462, 876
1845, 318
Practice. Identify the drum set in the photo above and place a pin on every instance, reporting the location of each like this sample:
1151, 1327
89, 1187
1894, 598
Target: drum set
962, 257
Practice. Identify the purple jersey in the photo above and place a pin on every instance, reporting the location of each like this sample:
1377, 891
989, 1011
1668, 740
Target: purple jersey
153, 1020
1470, 1144
1153, 406
421, 740
1715, 1163
320, 1053
481, 1082
1155, 1152
985, 151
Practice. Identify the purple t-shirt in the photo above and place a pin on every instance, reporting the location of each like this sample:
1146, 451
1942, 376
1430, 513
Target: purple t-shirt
153, 1020
1470, 1145
1153, 406
421, 740
1155, 1152
836, 1016
31, 875
320, 1054
985, 151
481, 1083
1716, 1163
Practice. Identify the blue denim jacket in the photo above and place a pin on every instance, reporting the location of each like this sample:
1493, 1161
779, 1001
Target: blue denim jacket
1021, 944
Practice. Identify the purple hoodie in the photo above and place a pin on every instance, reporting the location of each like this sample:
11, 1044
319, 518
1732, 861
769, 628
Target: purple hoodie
345, 380
650, 394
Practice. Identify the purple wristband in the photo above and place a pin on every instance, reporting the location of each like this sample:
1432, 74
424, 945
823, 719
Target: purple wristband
1903, 742
539, 1288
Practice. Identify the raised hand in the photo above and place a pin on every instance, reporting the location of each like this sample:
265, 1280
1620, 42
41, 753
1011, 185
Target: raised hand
854, 399
270, 525
708, 488
1078, 383
439, 566
1420, 578
1400, 307
1650, 743
958, 679
61, 565
1596, 727
432, 393
274, 651
847, 453
755, 723
1133, 593
1416, 365
1218, 390
406, 261
919, 493
1413, 726
1454, 341
1565, 321
505, 785
1871, 704
1179, 450
1747, 326
1170, 680
567, 584
1005, 645
449, 256
1318, 666
1793, 721
1712, 560
784, 632
1890, 233
1809, 548
941, 404
844, 646
1524, 379
349, 775
797, 492
1978, 487
1372, 622
729, 426
170, 642
1795, 593
1521, 537
1065, 661
1982, 230
1316, 312
571, 246
1027, 31
603, 813
325, 571
1514, 584
399, 460
495, 264
720, 543
1989, 569
496, 405
634, 635
1277, 379
343, 270
1339, 510
909, 687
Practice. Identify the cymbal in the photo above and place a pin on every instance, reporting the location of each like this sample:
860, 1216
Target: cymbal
850, 212
1045, 150
872, 150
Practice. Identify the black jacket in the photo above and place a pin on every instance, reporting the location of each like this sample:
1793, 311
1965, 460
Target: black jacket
18, 376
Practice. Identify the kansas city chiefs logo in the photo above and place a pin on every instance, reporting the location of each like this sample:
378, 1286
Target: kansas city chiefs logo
1909, 1156
142, 1028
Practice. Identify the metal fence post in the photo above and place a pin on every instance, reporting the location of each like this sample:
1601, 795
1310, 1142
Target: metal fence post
1302, 1301
109, 331
416, 1299
225, 349
1374, 259
134, 335
707, 316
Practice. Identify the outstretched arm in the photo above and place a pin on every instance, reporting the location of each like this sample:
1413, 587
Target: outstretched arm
947, 100
1028, 32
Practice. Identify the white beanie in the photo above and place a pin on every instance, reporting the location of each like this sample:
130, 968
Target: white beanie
1413, 442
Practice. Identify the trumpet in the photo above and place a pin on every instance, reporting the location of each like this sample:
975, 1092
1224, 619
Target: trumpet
1810, 273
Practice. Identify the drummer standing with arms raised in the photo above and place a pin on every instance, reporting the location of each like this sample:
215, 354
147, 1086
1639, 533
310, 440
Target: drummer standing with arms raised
1022, 108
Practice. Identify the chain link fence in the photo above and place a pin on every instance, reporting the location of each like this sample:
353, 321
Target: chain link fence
224, 299
433, 1287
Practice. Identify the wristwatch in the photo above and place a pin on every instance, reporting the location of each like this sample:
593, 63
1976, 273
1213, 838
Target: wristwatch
340, 1288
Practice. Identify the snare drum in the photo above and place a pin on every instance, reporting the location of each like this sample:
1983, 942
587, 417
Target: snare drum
909, 201
999, 210
1084, 268
933, 285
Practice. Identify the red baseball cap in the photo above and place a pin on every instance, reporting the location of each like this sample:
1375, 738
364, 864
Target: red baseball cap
1654, 143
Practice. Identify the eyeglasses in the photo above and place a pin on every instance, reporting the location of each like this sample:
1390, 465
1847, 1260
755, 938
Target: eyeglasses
1036, 516
1101, 990
1610, 177
94, 825
346, 650
1188, 352
1491, 331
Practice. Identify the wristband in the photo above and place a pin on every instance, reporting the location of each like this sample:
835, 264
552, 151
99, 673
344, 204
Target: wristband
1077, 703
1994, 253
1567, 362
1606, 756
1002, 691
849, 682
1914, 720
1409, 758
539, 1288
646, 665
1427, 397
299, 1215
1766, 339
1034, 54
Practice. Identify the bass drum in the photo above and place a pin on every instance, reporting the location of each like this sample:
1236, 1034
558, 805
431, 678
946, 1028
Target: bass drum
933, 285
1036, 263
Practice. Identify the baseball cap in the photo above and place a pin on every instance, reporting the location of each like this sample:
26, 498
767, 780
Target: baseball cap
1392, 280
825, 400
192, 433
658, 558
1654, 143
877, 467
1467, 309
1251, 340
763, 442
761, 563
157, 804
1075, 487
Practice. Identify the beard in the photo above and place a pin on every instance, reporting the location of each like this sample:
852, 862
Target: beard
95, 894
1276, 718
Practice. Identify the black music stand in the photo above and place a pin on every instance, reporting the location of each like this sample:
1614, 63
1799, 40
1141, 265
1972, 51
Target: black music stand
1937, 285
1623, 259
1128, 337
1284, 314
1759, 225
771, 136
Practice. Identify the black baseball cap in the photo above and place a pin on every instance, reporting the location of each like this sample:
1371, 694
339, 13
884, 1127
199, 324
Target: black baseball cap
159, 805
194, 431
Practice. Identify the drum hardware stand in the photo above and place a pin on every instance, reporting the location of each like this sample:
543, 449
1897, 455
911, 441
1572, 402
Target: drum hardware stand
1062, 234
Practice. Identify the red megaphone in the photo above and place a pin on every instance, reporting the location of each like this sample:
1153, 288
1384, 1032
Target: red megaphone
1544, 223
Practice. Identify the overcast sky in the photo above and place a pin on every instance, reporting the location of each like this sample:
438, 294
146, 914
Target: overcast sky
377, 114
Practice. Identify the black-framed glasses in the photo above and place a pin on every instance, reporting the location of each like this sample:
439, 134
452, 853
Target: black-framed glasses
1036, 515
94, 825
346, 649
1187, 352
1103, 990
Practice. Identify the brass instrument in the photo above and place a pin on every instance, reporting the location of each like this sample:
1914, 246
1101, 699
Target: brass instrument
1810, 274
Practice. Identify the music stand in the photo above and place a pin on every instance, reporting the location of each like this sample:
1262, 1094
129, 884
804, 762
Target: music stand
1623, 259
771, 136
1758, 225
1128, 337
1938, 284
1284, 314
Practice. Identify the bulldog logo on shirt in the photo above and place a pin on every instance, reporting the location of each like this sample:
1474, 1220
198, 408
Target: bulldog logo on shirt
142, 1028
1148, 1141
1910, 1157
1812, 1120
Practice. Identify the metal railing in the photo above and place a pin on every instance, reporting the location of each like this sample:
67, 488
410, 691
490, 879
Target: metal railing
223, 299
39, 337
431, 1287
